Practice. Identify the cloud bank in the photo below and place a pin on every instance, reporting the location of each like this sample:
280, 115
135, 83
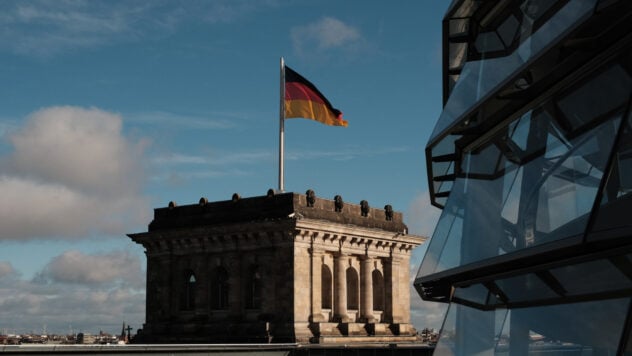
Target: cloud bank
75, 292
71, 174
44, 28
421, 219
326, 35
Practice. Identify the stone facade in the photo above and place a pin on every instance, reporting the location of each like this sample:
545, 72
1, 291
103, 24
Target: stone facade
277, 268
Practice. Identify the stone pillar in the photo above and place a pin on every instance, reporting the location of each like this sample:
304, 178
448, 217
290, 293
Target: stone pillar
340, 288
316, 287
366, 289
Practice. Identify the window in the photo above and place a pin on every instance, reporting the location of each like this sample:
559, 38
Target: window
219, 289
187, 301
253, 289
353, 290
378, 290
326, 287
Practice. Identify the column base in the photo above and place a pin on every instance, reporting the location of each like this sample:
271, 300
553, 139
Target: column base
369, 319
377, 329
317, 318
342, 318
352, 329
403, 329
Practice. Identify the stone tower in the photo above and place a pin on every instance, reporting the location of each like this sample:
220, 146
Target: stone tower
277, 268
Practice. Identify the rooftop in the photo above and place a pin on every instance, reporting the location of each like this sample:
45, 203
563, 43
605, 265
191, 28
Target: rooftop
276, 206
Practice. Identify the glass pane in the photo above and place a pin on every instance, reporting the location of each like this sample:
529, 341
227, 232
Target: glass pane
593, 277
616, 199
478, 78
588, 328
507, 30
544, 193
476, 293
524, 288
488, 42
606, 93
448, 228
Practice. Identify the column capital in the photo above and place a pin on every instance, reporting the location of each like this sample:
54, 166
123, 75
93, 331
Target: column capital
316, 252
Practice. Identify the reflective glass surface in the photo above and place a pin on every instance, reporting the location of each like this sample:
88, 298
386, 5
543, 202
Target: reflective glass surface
616, 201
478, 78
606, 276
537, 179
588, 328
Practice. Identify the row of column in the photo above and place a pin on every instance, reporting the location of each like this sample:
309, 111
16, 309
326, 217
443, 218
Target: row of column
340, 314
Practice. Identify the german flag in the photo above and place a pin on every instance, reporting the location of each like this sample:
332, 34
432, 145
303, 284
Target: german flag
302, 99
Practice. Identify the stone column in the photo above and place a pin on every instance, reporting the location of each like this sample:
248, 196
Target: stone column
340, 288
366, 289
316, 287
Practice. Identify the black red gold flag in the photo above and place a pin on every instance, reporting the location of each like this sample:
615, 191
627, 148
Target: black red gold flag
303, 99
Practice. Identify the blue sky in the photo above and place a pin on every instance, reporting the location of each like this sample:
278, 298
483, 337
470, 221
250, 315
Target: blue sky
112, 108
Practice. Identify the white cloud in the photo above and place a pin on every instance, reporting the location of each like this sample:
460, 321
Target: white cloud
421, 219
45, 28
90, 269
422, 216
89, 292
210, 121
425, 314
325, 35
72, 173
230, 10
6, 269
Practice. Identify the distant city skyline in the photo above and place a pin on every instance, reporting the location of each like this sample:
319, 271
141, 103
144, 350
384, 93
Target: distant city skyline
113, 108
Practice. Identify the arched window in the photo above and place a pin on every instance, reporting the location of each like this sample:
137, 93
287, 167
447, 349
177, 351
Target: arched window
219, 289
253, 288
326, 287
378, 290
187, 301
353, 290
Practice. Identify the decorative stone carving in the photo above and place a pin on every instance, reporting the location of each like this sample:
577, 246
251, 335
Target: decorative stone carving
364, 208
388, 211
338, 203
311, 198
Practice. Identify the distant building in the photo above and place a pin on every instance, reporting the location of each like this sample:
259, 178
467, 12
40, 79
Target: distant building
531, 162
277, 268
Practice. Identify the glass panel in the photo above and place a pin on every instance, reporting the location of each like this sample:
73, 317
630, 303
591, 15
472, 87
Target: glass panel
536, 181
616, 199
524, 288
608, 92
589, 328
448, 229
593, 277
547, 199
488, 42
478, 78
507, 30
459, 26
476, 293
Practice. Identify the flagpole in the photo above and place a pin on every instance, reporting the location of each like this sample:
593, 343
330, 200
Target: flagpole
281, 125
